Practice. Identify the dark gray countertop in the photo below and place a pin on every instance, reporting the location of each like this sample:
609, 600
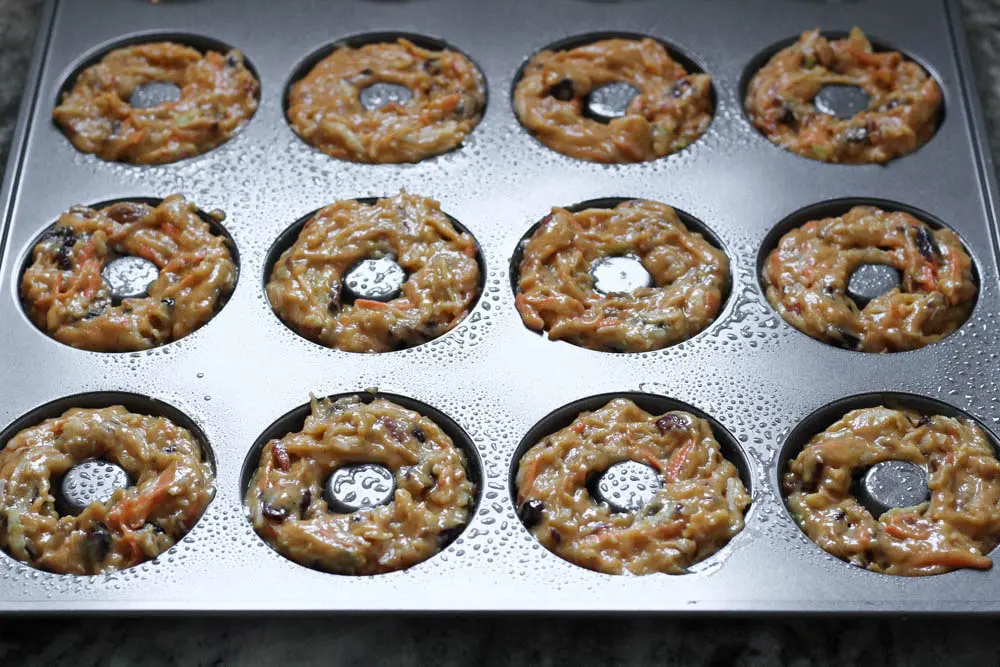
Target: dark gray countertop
494, 640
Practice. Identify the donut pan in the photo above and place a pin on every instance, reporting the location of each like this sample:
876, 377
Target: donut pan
239, 377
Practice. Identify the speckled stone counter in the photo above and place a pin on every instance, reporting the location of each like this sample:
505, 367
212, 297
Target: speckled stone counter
494, 640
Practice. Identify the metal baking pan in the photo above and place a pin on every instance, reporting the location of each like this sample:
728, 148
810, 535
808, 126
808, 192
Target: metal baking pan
754, 374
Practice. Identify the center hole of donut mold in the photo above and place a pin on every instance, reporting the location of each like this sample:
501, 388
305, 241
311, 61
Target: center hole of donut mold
870, 281
375, 279
626, 486
381, 93
610, 101
359, 486
93, 481
841, 100
890, 484
154, 94
620, 274
129, 277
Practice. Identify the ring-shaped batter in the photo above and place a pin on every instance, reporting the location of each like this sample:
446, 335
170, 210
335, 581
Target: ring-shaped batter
432, 501
902, 115
673, 108
448, 98
218, 94
65, 295
556, 290
806, 278
306, 283
172, 486
696, 512
955, 529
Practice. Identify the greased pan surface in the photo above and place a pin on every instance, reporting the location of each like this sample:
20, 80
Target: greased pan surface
748, 370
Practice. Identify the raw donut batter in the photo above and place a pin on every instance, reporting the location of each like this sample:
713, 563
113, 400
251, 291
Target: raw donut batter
696, 512
902, 114
66, 296
448, 98
959, 525
172, 486
673, 108
557, 292
432, 501
806, 276
218, 95
306, 284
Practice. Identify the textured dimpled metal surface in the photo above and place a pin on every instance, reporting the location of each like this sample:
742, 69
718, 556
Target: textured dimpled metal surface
749, 370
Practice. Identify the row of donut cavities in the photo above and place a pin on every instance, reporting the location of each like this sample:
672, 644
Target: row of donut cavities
624, 483
393, 98
383, 274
